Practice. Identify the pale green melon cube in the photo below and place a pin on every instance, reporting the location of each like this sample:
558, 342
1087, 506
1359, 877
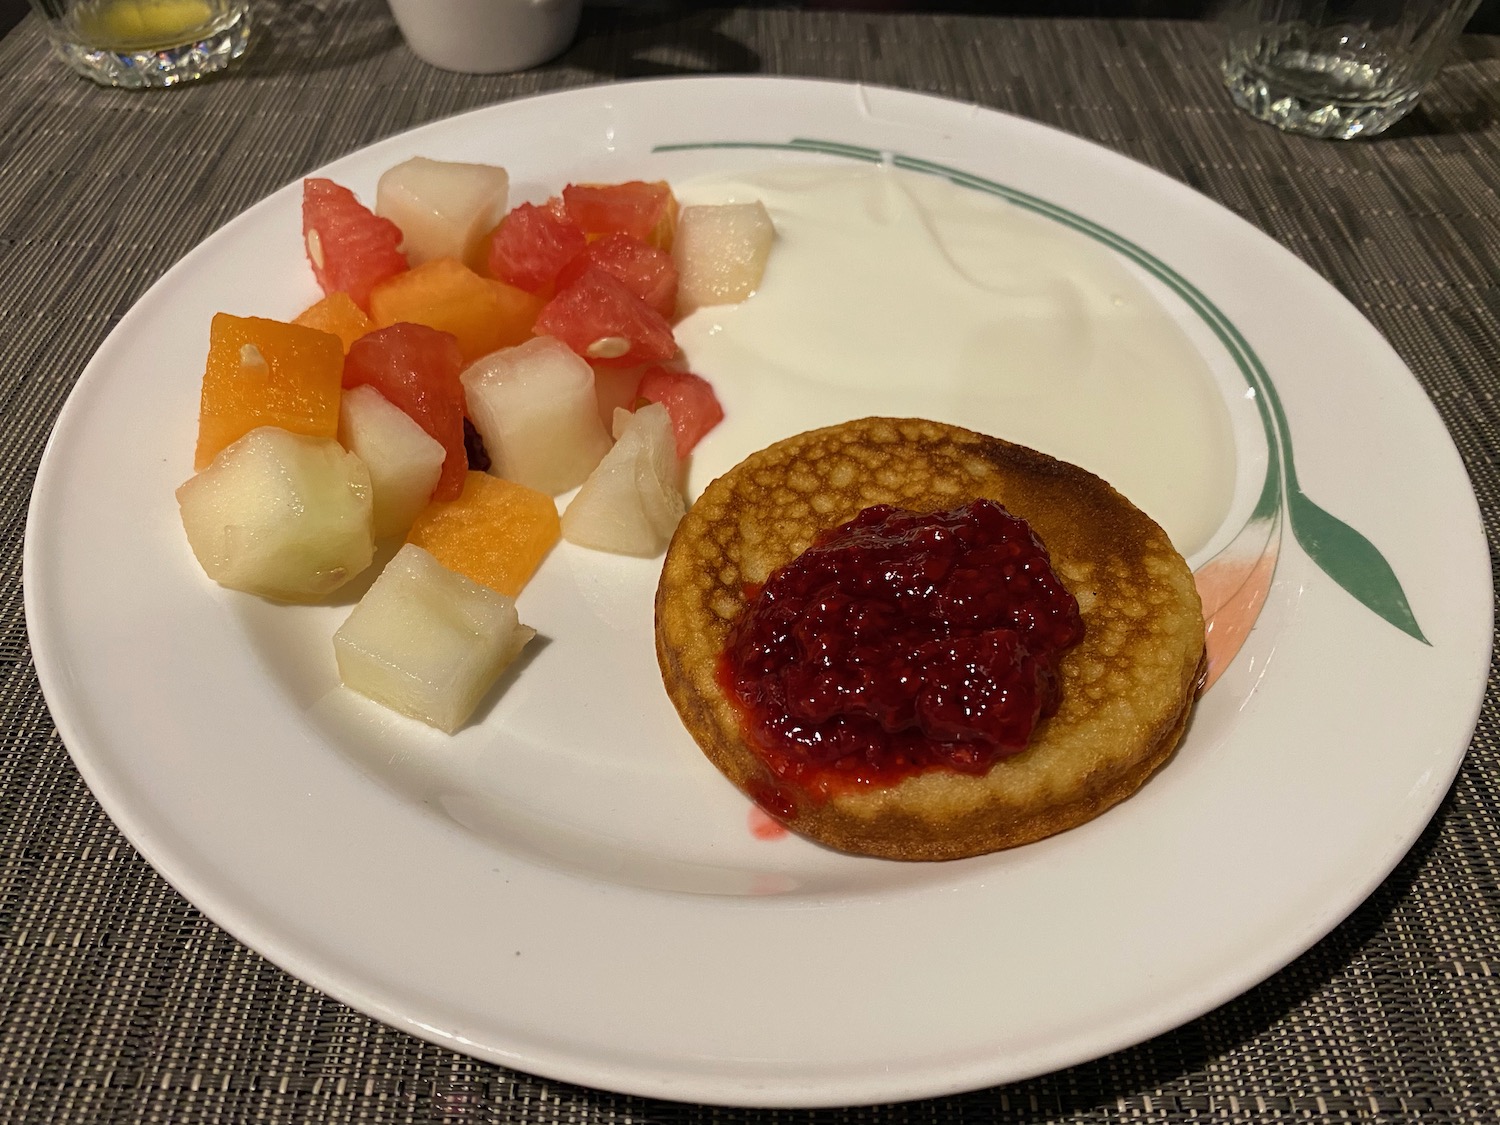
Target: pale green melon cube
428, 642
279, 514
404, 460
444, 209
535, 407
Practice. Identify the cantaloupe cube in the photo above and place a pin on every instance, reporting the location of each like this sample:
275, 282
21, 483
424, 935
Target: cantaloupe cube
336, 313
721, 253
405, 462
534, 406
484, 315
444, 209
427, 642
279, 514
266, 373
496, 533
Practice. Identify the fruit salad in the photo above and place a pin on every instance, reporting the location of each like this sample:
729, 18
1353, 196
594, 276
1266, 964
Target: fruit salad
469, 363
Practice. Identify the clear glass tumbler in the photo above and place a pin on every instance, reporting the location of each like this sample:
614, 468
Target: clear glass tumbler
143, 43
1337, 68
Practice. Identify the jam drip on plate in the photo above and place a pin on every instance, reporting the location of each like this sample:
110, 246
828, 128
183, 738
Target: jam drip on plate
901, 642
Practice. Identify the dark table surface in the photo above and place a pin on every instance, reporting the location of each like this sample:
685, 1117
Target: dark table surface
120, 1002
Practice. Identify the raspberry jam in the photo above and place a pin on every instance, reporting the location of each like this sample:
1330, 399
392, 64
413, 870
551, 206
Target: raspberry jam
901, 642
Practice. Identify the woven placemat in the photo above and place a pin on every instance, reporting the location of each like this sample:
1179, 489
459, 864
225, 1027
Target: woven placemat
119, 1002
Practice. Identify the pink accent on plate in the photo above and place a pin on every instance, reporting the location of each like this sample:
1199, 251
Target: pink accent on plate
1233, 588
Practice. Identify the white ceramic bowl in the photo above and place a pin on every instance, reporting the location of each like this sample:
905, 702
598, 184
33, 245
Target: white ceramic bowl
486, 36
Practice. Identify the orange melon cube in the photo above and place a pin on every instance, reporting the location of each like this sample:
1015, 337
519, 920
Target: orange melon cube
337, 313
483, 314
267, 373
496, 533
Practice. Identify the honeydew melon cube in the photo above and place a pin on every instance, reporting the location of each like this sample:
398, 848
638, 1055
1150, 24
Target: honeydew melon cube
427, 642
444, 209
720, 251
279, 514
404, 460
632, 502
535, 407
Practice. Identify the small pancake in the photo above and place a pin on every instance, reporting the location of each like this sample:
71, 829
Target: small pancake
1126, 689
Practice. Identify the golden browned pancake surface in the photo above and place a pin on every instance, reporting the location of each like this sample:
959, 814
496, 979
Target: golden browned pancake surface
1127, 687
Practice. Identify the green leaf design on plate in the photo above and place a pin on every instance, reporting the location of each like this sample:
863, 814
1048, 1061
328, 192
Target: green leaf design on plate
1337, 549
1352, 561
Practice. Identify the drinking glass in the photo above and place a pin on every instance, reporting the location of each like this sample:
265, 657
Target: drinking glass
141, 43
1337, 68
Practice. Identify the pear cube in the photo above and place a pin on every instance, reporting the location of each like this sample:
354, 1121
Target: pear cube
535, 407
444, 209
427, 642
720, 251
405, 461
279, 514
632, 502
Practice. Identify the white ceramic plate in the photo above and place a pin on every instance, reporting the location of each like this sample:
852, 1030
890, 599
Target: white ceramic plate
566, 887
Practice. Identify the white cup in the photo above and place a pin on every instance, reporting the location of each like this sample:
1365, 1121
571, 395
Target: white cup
486, 36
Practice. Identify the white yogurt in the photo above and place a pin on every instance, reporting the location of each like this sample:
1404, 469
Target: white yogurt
894, 293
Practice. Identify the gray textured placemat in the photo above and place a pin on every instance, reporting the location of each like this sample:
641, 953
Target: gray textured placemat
119, 1002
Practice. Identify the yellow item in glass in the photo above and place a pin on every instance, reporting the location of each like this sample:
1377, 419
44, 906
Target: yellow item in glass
136, 25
